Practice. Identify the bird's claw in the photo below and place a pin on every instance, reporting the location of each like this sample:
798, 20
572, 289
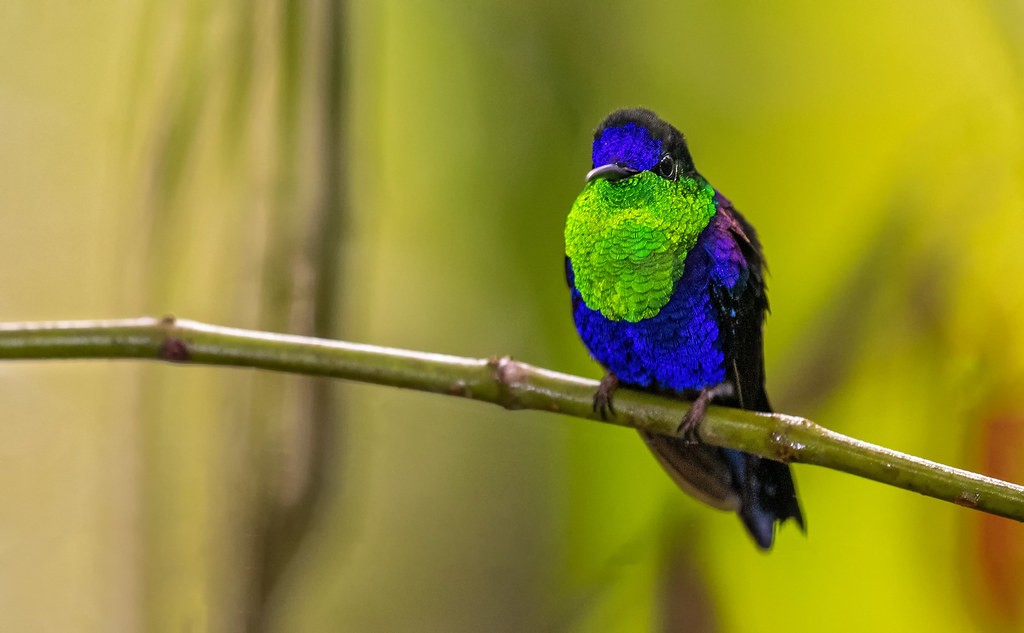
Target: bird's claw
689, 428
603, 397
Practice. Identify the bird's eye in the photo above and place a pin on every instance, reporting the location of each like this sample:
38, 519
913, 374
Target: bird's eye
666, 167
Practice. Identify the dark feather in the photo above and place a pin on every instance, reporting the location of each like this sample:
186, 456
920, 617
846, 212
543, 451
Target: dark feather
767, 488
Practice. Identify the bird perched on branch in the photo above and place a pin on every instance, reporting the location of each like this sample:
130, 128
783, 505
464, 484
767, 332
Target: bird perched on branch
668, 294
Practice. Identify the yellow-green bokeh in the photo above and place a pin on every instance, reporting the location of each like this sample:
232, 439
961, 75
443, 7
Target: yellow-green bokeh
168, 158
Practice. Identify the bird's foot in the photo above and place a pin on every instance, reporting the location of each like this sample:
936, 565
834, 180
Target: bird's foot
690, 426
603, 397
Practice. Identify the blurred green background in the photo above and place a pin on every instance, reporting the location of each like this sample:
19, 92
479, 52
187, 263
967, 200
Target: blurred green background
398, 173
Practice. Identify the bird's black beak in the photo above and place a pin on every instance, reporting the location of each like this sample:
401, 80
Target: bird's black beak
612, 171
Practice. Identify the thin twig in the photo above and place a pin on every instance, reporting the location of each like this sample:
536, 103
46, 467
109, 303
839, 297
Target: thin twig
505, 382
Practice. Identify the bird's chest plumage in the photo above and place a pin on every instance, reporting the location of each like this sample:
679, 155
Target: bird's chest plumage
681, 347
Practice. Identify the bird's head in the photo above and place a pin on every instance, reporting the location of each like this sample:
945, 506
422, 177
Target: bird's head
635, 140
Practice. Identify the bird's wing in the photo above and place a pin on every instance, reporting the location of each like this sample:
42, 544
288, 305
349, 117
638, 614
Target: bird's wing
766, 486
740, 299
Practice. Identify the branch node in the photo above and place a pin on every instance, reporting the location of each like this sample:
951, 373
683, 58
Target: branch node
175, 350
786, 450
509, 375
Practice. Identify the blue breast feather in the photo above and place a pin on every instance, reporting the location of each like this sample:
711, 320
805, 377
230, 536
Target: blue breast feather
680, 348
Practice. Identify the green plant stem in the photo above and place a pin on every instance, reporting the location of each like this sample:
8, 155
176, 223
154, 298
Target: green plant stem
505, 382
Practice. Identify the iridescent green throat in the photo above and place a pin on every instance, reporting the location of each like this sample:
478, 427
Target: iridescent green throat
627, 241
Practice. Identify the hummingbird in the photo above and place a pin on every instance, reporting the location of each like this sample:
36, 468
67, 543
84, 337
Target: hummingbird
668, 295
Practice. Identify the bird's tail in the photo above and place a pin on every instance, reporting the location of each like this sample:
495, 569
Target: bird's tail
768, 496
760, 491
